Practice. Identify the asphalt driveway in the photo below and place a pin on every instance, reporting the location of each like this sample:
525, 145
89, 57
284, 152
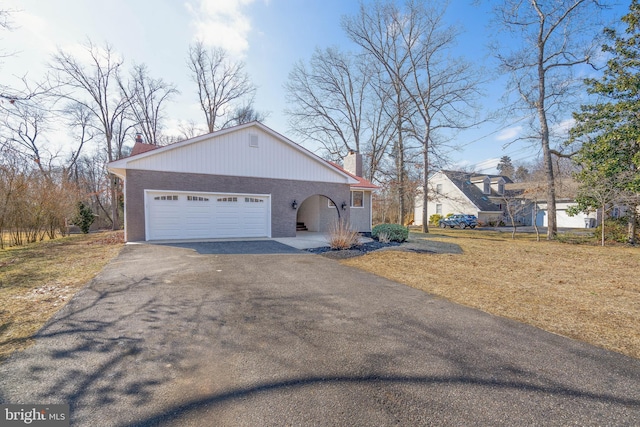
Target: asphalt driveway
199, 336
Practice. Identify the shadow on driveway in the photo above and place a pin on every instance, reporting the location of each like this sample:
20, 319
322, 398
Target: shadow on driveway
167, 337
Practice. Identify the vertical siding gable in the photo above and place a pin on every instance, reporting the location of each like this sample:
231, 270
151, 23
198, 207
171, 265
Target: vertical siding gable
233, 154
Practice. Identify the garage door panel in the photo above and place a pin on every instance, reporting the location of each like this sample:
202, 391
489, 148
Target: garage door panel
207, 215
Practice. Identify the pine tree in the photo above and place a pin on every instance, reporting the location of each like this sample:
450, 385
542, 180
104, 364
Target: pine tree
610, 129
505, 167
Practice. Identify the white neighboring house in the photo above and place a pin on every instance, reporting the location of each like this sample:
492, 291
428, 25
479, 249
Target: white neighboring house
486, 196
463, 192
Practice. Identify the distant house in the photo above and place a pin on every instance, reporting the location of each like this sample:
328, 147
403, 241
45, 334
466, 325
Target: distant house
534, 194
463, 192
489, 196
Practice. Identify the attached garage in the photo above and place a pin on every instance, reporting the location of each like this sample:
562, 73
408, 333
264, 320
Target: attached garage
188, 215
245, 181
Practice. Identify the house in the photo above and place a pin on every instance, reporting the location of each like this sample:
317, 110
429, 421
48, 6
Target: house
489, 196
566, 190
463, 192
244, 181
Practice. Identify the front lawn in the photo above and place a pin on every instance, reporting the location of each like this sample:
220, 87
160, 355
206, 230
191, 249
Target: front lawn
38, 279
584, 292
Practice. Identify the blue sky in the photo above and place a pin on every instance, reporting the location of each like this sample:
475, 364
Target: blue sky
269, 35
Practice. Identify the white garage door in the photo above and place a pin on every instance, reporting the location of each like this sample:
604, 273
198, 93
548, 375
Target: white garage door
176, 215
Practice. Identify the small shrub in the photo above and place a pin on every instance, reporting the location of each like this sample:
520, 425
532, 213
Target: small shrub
395, 232
342, 237
615, 230
84, 217
435, 219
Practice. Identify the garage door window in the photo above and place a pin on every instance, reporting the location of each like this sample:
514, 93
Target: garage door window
227, 199
197, 199
253, 200
165, 198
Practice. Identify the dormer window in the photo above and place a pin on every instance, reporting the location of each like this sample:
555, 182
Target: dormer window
501, 187
487, 186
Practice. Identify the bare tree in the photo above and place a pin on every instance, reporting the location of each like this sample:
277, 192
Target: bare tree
148, 97
335, 101
551, 38
434, 91
374, 29
80, 124
246, 114
327, 100
22, 127
94, 86
222, 84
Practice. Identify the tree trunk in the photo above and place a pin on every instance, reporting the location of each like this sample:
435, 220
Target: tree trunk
603, 221
115, 214
552, 228
633, 220
400, 163
425, 182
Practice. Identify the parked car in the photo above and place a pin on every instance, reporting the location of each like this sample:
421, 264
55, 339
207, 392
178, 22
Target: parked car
459, 220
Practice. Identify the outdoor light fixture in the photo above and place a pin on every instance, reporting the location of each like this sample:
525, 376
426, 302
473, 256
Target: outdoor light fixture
344, 206
294, 205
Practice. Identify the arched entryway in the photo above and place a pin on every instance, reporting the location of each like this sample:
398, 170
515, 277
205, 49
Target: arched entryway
316, 213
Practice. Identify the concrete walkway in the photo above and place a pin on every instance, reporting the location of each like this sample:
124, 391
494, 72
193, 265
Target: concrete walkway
310, 240
190, 335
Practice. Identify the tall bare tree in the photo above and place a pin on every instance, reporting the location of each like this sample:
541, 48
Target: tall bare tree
546, 41
327, 100
148, 98
334, 102
373, 28
435, 90
93, 84
222, 84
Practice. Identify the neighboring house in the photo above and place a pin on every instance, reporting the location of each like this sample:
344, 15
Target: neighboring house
489, 196
244, 181
462, 192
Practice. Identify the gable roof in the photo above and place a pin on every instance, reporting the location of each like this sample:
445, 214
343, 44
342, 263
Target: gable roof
232, 152
464, 182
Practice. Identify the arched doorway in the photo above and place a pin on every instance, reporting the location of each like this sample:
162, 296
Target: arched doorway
316, 213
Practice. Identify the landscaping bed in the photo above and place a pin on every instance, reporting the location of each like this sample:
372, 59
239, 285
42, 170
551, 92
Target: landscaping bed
411, 245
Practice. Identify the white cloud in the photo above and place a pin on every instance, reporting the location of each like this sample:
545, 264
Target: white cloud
509, 134
221, 24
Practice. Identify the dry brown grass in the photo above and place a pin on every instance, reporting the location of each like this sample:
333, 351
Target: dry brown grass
584, 292
38, 279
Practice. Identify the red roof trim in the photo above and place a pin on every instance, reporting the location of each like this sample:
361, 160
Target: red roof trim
141, 147
362, 183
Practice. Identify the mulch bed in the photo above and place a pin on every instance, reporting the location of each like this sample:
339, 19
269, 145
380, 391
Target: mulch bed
353, 251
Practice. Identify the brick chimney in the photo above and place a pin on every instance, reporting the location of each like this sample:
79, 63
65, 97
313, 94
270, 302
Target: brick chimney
353, 163
139, 138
